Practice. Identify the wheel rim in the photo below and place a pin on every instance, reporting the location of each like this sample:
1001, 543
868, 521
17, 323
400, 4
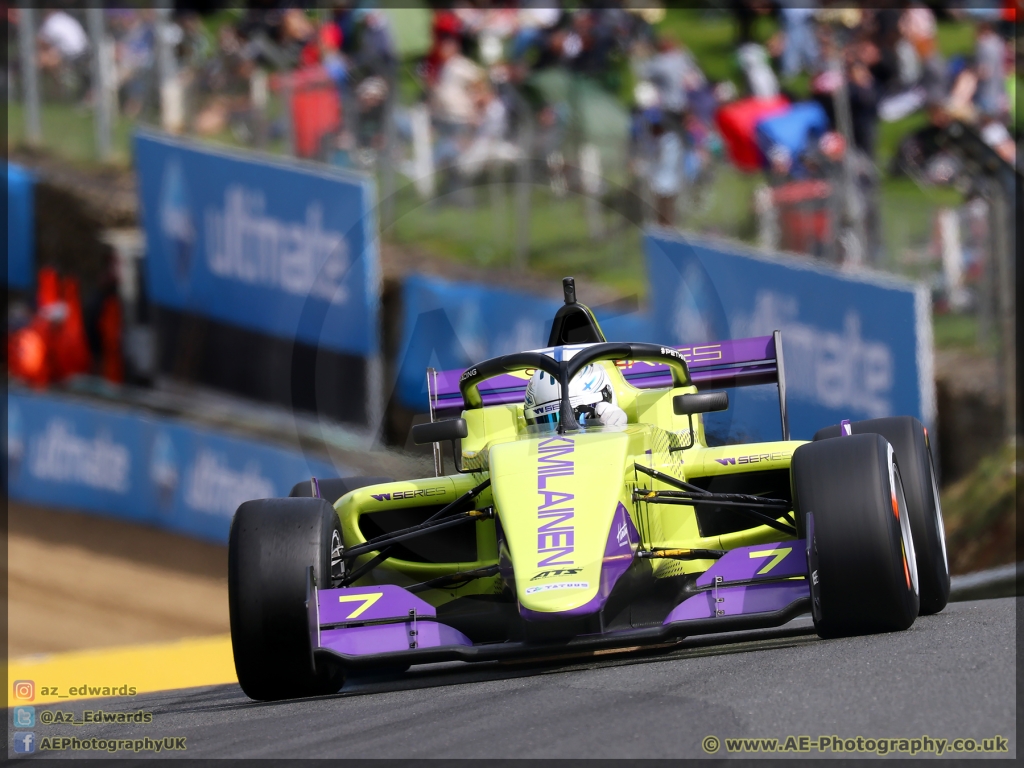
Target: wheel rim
337, 561
906, 537
937, 506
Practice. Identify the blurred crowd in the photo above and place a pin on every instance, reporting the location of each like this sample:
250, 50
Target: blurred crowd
808, 107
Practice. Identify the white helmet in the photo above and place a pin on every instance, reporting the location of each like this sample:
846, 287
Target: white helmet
587, 388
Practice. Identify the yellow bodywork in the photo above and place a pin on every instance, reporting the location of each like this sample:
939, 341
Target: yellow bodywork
555, 497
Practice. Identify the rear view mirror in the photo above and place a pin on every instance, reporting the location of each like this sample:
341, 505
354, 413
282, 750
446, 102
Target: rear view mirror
439, 431
703, 402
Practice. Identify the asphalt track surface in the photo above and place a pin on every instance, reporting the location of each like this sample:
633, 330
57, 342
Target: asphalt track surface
950, 676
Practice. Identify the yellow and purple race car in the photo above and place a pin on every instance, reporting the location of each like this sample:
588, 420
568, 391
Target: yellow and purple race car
596, 518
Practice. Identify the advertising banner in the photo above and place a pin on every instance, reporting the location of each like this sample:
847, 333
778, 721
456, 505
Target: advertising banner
856, 345
287, 250
21, 225
450, 325
122, 463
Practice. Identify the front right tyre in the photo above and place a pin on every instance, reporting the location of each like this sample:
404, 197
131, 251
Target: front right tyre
863, 570
272, 545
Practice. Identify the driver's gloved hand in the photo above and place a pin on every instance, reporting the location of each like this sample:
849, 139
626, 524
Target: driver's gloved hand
610, 415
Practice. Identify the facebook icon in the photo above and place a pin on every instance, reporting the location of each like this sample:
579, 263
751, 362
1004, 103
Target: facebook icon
24, 742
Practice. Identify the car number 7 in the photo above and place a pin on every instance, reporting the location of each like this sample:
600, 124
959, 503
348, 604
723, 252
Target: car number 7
777, 555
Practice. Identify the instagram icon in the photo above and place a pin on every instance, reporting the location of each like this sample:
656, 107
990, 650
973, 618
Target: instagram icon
24, 690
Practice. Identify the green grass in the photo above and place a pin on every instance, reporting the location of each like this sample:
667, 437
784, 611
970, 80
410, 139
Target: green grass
482, 233
979, 514
953, 331
68, 132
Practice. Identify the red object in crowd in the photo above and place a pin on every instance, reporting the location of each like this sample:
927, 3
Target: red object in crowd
805, 223
48, 291
112, 363
68, 345
737, 122
54, 347
446, 24
316, 108
26, 354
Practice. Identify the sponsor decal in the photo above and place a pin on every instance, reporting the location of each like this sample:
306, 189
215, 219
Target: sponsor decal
558, 585
163, 468
211, 486
245, 244
555, 532
704, 353
467, 374
622, 534
15, 438
58, 454
395, 496
755, 458
556, 572
176, 222
834, 369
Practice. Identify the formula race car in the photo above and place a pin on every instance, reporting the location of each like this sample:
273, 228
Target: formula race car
561, 532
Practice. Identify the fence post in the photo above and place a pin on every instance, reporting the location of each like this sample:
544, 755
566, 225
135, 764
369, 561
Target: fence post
523, 185
29, 74
100, 87
387, 164
171, 91
1003, 268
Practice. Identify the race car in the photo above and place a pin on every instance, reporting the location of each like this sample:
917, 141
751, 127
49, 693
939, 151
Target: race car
559, 534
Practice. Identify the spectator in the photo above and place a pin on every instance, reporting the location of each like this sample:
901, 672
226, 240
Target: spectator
62, 49
533, 25
136, 57
673, 71
488, 144
454, 107
665, 169
798, 42
863, 94
989, 52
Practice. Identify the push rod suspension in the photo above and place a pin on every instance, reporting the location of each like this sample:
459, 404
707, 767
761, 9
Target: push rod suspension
692, 495
454, 578
386, 542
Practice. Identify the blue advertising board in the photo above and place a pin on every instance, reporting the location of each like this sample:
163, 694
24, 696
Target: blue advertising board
288, 250
158, 471
21, 224
448, 325
856, 345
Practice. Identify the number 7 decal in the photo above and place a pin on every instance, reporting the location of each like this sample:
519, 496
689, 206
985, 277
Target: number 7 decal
777, 555
366, 599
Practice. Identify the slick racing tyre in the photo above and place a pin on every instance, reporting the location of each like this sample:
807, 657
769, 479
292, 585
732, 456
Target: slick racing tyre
860, 546
909, 439
334, 488
272, 544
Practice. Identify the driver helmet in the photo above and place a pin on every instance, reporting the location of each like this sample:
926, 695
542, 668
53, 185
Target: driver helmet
587, 388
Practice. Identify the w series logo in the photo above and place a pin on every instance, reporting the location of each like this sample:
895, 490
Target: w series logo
759, 457
408, 494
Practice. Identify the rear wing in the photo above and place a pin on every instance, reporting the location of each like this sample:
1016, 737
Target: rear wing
736, 363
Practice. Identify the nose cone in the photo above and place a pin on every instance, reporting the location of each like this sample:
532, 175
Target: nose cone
559, 500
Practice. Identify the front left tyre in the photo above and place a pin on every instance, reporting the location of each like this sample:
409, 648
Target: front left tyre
912, 445
272, 545
863, 573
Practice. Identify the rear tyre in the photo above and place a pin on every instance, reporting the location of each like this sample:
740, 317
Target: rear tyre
860, 545
334, 488
272, 544
909, 439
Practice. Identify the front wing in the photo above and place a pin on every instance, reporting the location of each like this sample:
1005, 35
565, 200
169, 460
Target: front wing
753, 587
